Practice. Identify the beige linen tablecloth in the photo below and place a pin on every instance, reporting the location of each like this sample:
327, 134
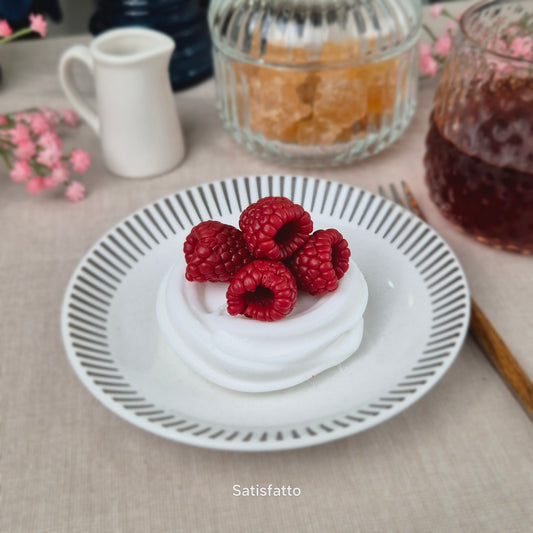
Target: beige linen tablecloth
459, 460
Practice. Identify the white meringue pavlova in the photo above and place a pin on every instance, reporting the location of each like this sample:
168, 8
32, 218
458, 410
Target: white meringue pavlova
243, 354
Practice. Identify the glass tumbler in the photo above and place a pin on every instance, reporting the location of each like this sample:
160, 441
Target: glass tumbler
479, 149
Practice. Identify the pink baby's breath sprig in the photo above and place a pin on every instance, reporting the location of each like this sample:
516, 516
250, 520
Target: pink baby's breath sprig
433, 54
442, 46
75, 191
31, 149
428, 65
5, 29
37, 25
80, 161
521, 47
435, 10
513, 40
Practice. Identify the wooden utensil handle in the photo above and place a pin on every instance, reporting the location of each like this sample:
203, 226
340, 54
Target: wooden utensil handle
502, 357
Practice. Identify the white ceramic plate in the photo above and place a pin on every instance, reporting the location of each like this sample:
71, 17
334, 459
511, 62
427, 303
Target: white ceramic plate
415, 321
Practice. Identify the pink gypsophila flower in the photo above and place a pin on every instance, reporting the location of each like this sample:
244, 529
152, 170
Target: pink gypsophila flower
425, 49
428, 65
20, 133
521, 46
511, 30
49, 139
3, 120
70, 117
49, 183
22, 116
442, 46
80, 160
21, 172
35, 185
37, 24
450, 28
5, 29
25, 150
50, 156
500, 66
39, 124
75, 191
59, 174
50, 115
497, 44
435, 10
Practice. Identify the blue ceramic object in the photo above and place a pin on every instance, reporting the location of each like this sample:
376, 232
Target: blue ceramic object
183, 20
14, 10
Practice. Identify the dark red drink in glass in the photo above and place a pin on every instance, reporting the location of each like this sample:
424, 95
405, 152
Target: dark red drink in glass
479, 148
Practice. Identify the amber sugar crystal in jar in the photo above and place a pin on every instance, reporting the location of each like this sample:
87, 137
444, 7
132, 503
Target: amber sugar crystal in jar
479, 149
315, 83
315, 106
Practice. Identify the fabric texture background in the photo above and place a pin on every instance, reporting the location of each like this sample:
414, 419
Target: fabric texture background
460, 459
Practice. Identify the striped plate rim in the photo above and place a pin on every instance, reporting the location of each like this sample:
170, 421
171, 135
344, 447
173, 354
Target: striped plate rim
98, 277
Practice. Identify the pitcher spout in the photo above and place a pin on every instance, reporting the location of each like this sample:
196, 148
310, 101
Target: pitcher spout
132, 45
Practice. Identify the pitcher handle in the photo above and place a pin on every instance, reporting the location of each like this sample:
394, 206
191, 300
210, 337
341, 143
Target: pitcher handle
66, 78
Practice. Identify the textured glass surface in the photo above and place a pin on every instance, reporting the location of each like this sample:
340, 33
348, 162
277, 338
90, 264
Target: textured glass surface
479, 158
315, 83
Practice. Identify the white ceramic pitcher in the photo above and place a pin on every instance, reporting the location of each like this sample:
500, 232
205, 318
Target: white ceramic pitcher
136, 119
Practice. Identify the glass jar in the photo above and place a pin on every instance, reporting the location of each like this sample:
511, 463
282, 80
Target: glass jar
479, 157
315, 82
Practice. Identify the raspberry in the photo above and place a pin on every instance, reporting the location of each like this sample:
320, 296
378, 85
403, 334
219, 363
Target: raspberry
264, 290
214, 252
274, 227
321, 262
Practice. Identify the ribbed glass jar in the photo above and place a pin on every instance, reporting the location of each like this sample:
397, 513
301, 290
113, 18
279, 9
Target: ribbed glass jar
315, 82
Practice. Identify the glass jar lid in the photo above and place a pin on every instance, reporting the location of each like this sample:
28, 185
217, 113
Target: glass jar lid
311, 32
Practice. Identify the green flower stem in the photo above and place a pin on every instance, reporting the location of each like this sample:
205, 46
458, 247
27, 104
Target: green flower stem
429, 31
9, 125
447, 14
16, 35
7, 162
9, 116
41, 170
7, 143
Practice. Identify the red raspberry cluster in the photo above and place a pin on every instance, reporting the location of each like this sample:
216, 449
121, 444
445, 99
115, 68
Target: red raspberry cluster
265, 262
